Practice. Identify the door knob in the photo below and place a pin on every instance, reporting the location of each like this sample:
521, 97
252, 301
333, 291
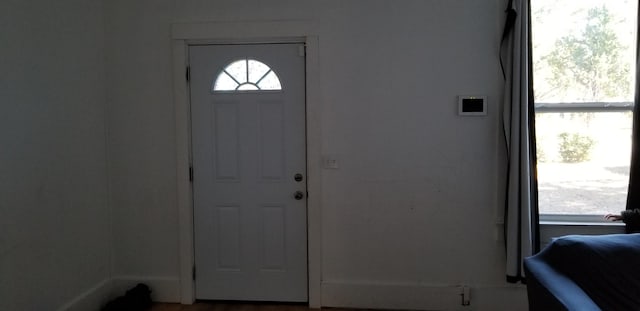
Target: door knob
298, 195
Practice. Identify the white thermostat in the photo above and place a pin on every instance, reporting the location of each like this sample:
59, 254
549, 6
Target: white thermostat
472, 105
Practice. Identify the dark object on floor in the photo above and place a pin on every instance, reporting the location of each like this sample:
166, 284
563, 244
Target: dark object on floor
136, 299
580, 272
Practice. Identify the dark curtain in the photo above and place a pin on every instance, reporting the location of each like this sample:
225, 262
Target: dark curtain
633, 195
522, 237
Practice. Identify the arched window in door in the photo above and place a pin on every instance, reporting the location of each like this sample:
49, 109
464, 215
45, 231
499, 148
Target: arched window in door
246, 75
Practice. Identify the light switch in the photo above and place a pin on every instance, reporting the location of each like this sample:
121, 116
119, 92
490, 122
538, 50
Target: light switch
330, 162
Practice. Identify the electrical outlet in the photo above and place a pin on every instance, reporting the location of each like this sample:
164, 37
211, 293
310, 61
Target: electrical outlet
465, 295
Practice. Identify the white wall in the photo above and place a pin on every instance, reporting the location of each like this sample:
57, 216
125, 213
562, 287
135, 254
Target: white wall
54, 220
142, 143
415, 201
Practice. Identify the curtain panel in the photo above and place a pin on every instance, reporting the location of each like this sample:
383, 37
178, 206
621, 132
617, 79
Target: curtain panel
633, 194
521, 204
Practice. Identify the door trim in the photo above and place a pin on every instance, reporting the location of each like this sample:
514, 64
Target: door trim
186, 34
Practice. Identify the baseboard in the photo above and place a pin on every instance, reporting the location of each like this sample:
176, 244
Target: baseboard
92, 299
163, 289
421, 297
500, 298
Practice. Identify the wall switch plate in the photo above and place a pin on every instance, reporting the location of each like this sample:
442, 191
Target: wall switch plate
472, 105
330, 162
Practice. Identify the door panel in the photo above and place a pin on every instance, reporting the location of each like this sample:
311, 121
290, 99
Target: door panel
228, 223
226, 141
249, 230
271, 140
273, 235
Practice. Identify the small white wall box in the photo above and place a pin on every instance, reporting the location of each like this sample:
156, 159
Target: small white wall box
472, 105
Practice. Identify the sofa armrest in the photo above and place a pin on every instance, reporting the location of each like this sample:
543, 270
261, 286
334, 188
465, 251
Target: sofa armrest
549, 290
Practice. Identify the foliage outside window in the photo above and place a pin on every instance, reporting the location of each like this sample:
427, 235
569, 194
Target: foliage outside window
584, 56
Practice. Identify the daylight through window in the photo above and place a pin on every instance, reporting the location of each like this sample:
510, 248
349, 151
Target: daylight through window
246, 75
583, 58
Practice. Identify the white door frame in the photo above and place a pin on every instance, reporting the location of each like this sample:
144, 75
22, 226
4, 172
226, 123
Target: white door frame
185, 34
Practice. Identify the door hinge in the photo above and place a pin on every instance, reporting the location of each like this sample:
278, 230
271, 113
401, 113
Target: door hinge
187, 74
193, 272
190, 173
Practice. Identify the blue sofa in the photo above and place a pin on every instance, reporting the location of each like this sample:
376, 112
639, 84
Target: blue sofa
580, 272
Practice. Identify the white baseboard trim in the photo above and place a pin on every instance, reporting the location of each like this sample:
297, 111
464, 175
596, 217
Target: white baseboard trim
421, 297
92, 299
500, 298
163, 289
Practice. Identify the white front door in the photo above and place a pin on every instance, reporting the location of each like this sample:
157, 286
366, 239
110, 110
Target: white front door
249, 161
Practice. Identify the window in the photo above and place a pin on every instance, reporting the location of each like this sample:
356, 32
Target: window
246, 75
583, 66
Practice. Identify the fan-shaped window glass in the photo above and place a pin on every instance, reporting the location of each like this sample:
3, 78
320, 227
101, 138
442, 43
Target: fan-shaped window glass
247, 75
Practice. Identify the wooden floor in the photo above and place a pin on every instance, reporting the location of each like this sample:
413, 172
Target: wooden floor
231, 306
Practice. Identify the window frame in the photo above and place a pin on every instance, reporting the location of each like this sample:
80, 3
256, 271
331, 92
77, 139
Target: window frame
547, 106
256, 84
577, 107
